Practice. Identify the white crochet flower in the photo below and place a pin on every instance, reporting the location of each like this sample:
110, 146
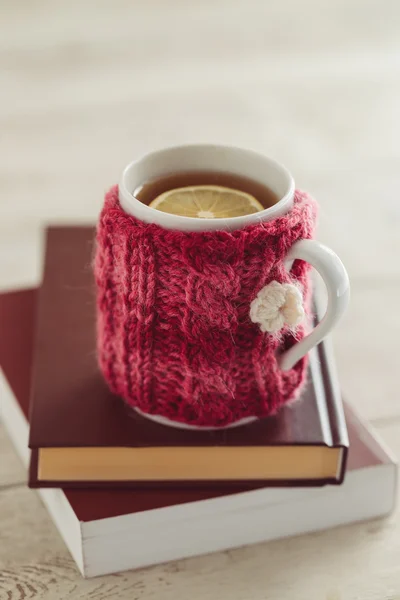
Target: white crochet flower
277, 304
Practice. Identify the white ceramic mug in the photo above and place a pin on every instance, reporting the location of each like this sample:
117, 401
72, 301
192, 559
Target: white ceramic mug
265, 171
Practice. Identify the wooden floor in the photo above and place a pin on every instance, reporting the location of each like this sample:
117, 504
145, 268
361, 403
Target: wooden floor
86, 87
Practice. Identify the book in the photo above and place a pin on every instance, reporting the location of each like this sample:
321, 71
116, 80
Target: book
111, 530
82, 434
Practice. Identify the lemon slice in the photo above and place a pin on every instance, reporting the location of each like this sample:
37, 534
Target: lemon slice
207, 202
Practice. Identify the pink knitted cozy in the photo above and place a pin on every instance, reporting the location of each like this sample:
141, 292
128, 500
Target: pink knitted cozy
174, 334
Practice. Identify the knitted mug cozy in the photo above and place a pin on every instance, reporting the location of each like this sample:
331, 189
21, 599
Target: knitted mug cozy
184, 321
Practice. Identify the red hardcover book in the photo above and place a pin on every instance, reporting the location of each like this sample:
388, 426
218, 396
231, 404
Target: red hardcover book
83, 435
145, 527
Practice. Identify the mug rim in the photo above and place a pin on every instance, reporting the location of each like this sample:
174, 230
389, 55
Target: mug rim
143, 212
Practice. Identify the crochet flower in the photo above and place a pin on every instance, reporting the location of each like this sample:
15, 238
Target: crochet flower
276, 305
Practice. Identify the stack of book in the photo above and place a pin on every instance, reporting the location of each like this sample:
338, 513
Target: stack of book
126, 492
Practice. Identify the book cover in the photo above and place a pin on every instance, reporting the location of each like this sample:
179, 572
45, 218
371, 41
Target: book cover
83, 435
92, 521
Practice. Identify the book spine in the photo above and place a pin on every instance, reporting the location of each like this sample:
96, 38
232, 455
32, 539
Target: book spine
332, 411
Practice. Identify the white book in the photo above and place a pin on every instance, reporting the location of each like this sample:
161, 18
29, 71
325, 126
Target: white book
112, 530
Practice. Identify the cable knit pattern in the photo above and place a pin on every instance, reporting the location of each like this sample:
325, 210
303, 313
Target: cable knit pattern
175, 336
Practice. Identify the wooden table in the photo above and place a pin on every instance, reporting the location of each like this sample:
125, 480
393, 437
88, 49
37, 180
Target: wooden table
87, 86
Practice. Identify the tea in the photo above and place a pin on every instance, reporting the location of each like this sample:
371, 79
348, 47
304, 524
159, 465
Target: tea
206, 194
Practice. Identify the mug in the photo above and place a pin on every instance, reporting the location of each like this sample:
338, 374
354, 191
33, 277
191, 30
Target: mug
201, 322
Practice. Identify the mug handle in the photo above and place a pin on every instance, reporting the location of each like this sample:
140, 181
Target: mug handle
335, 277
